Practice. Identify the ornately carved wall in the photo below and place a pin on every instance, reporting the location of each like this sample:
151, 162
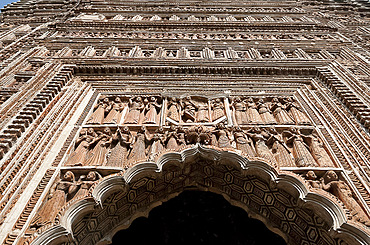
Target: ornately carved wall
109, 108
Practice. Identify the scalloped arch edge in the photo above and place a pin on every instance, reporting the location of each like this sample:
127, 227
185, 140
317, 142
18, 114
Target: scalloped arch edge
330, 211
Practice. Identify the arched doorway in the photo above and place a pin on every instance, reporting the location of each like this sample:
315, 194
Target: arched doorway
280, 200
196, 217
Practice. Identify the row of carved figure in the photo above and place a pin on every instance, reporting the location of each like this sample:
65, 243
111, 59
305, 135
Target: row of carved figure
100, 17
205, 53
244, 110
69, 188
196, 8
330, 182
120, 147
205, 35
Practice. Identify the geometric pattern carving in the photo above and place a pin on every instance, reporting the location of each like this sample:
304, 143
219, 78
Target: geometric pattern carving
299, 225
249, 185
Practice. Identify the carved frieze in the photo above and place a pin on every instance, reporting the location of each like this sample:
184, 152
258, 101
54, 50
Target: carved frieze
122, 146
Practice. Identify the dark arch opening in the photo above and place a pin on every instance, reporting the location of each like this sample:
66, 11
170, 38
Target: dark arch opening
196, 217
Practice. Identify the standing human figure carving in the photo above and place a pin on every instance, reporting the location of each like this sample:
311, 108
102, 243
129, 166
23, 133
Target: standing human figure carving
260, 137
157, 142
181, 139
85, 183
173, 109
243, 142
120, 146
188, 109
265, 112
218, 109
202, 113
98, 155
302, 155
224, 136
280, 113
296, 112
280, 149
99, 111
78, 156
151, 111
135, 108
138, 151
115, 114
171, 138
58, 196
331, 183
240, 111
252, 113
318, 151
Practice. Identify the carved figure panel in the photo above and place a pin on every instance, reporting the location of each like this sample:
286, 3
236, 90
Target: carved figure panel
195, 110
122, 146
108, 110
249, 110
130, 110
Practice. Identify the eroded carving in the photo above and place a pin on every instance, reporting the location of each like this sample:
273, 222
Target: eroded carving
331, 183
58, 196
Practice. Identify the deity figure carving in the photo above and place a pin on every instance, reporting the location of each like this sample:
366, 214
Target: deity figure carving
172, 138
173, 109
151, 108
78, 156
181, 138
85, 182
115, 113
296, 112
243, 142
252, 113
265, 112
331, 183
203, 112
240, 111
98, 155
120, 146
260, 137
280, 149
302, 155
198, 134
138, 145
99, 111
280, 113
223, 136
319, 153
188, 110
136, 106
58, 196
312, 180
157, 142
218, 109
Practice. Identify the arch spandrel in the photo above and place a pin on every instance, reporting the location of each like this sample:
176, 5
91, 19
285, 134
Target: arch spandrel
282, 200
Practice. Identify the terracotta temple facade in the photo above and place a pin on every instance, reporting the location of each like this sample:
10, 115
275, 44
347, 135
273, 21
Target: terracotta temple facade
110, 107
